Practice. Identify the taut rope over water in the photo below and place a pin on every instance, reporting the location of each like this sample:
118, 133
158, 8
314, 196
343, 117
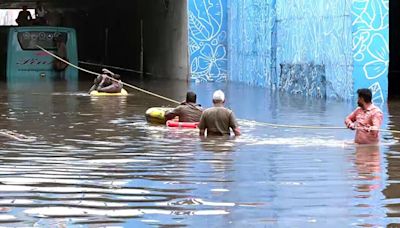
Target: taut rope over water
177, 102
97, 74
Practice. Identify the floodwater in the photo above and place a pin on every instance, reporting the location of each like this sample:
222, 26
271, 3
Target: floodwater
95, 162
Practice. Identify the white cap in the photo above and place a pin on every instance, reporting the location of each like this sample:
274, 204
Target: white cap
219, 95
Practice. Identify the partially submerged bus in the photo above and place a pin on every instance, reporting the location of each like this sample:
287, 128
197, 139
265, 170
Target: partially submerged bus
26, 61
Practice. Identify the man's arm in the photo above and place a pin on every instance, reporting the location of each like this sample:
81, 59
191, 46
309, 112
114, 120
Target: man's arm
376, 123
202, 125
105, 71
233, 124
350, 119
169, 115
236, 131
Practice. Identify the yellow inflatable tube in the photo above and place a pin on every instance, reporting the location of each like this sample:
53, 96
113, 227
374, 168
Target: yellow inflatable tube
96, 93
157, 115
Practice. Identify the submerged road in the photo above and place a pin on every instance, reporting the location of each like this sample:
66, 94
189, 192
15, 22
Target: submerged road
95, 161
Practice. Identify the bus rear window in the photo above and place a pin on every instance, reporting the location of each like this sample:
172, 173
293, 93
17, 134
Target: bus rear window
47, 40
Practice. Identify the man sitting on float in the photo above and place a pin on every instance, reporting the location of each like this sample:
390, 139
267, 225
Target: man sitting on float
103, 82
187, 111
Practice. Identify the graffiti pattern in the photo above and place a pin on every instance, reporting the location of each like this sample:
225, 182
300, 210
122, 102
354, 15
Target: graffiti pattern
208, 40
348, 37
371, 47
251, 27
317, 32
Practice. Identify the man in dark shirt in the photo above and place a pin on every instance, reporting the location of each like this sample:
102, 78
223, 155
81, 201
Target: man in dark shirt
187, 111
24, 17
218, 120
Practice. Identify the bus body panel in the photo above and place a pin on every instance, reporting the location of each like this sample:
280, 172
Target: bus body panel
27, 62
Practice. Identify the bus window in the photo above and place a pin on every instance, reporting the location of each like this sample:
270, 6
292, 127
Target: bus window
29, 40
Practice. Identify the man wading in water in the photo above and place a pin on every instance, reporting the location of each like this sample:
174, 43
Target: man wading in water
218, 120
366, 119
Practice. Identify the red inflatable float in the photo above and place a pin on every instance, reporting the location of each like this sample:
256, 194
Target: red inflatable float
172, 123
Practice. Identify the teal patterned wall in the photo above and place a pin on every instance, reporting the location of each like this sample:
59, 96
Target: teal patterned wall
208, 40
343, 41
316, 32
371, 46
251, 41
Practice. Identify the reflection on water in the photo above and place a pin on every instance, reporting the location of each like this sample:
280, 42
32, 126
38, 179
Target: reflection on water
94, 161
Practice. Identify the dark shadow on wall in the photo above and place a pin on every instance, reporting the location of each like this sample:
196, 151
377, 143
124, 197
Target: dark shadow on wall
306, 78
119, 33
394, 49
110, 33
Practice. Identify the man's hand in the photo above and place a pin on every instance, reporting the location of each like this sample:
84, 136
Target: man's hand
106, 71
352, 126
371, 129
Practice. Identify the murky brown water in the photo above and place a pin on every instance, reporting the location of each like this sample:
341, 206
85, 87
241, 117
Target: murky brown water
94, 161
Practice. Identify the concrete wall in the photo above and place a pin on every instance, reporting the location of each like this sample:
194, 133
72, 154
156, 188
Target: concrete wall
165, 38
107, 34
394, 47
110, 33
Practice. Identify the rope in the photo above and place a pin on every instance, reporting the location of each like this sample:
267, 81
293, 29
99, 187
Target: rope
63, 60
312, 127
97, 74
295, 126
177, 102
113, 67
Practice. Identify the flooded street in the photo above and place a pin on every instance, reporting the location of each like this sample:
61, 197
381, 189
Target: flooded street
96, 162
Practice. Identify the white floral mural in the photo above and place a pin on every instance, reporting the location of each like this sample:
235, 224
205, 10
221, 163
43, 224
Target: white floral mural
207, 40
371, 46
349, 38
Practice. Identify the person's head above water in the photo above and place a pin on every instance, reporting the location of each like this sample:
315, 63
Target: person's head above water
364, 97
218, 97
191, 97
366, 94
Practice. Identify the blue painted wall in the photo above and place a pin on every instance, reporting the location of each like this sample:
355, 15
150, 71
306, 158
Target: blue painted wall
251, 50
317, 32
343, 41
371, 46
208, 40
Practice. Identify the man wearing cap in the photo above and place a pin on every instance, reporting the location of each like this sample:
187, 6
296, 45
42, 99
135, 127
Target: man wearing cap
187, 111
218, 120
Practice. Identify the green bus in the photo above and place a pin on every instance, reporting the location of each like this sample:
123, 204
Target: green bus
21, 58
